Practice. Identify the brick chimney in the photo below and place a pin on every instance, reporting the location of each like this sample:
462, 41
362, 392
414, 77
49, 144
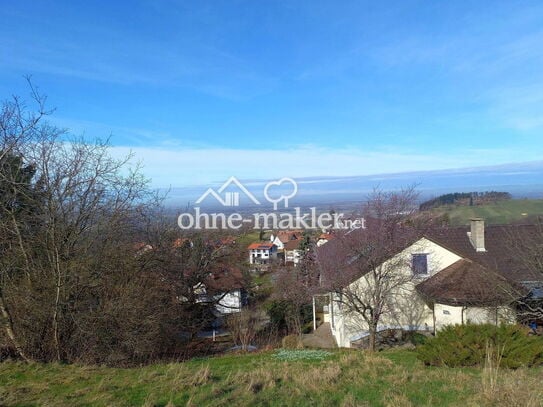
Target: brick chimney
477, 234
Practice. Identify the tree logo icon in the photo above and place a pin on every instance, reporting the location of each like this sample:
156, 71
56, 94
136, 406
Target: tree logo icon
280, 186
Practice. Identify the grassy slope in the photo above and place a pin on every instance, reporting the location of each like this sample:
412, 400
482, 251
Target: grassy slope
347, 378
500, 212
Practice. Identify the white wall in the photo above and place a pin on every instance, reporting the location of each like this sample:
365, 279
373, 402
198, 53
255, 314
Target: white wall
276, 241
450, 315
262, 254
293, 256
447, 315
320, 242
231, 302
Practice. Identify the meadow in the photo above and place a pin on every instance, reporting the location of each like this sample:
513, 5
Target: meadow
272, 378
502, 212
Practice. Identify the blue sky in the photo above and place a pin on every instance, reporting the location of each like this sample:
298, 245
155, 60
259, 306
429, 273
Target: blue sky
203, 90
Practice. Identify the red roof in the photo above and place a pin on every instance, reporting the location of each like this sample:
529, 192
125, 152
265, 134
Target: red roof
286, 235
326, 236
293, 244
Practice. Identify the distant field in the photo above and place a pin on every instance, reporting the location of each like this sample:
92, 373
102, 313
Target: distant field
250, 237
344, 378
501, 212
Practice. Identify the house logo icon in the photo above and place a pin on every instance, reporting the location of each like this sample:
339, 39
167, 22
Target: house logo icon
230, 198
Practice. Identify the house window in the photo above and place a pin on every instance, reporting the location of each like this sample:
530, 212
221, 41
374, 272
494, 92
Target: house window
420, 264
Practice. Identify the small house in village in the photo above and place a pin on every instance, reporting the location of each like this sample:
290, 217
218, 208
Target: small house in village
293, 252
225, 288
283, 236
262, 252
324, 238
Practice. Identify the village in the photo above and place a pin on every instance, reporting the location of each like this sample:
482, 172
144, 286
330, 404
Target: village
442, 276
248, 203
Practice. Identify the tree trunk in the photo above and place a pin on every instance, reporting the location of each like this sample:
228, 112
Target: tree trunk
8, 326
372, 337
56, 308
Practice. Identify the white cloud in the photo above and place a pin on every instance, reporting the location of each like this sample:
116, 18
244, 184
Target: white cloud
179, 167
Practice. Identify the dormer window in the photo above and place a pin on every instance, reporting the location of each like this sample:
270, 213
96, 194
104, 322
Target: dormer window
419, 264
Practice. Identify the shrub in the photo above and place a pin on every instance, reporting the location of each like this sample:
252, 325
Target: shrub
466, 345
416, 338
292, 342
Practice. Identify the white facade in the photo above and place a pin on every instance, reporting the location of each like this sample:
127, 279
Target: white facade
293, 256
230, 302
226, 302
262, 255
321, 241
451, 315
277, 242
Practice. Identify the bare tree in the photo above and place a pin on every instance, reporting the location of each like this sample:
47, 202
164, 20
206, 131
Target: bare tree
295, 286
67, 216
243, 326
75, 283
18, 127
524, 244
363, 268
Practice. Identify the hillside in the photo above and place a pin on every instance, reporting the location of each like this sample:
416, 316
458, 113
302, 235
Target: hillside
514, 210
342, 378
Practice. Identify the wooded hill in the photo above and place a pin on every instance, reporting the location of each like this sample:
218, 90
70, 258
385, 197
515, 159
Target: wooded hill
465, 199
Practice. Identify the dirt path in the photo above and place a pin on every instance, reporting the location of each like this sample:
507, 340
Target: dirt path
321, 338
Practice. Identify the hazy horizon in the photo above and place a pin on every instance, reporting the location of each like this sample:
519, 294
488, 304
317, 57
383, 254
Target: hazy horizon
522, 180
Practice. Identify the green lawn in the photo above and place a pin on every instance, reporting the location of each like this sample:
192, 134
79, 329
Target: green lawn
250, 237
496, 213
344, 378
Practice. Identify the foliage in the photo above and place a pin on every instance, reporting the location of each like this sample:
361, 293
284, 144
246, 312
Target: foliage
466, 345
288, 315
416, 338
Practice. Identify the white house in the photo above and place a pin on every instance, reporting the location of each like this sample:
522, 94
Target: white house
453, 275
262, 253
231, 301
224, 288
324, 238
292, 252
284, 236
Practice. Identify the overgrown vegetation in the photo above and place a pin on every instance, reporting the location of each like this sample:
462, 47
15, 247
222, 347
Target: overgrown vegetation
90, 269
344, 378
467, 345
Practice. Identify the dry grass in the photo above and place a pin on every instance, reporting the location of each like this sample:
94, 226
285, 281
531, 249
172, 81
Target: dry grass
513, 388
517, 388
347, 378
